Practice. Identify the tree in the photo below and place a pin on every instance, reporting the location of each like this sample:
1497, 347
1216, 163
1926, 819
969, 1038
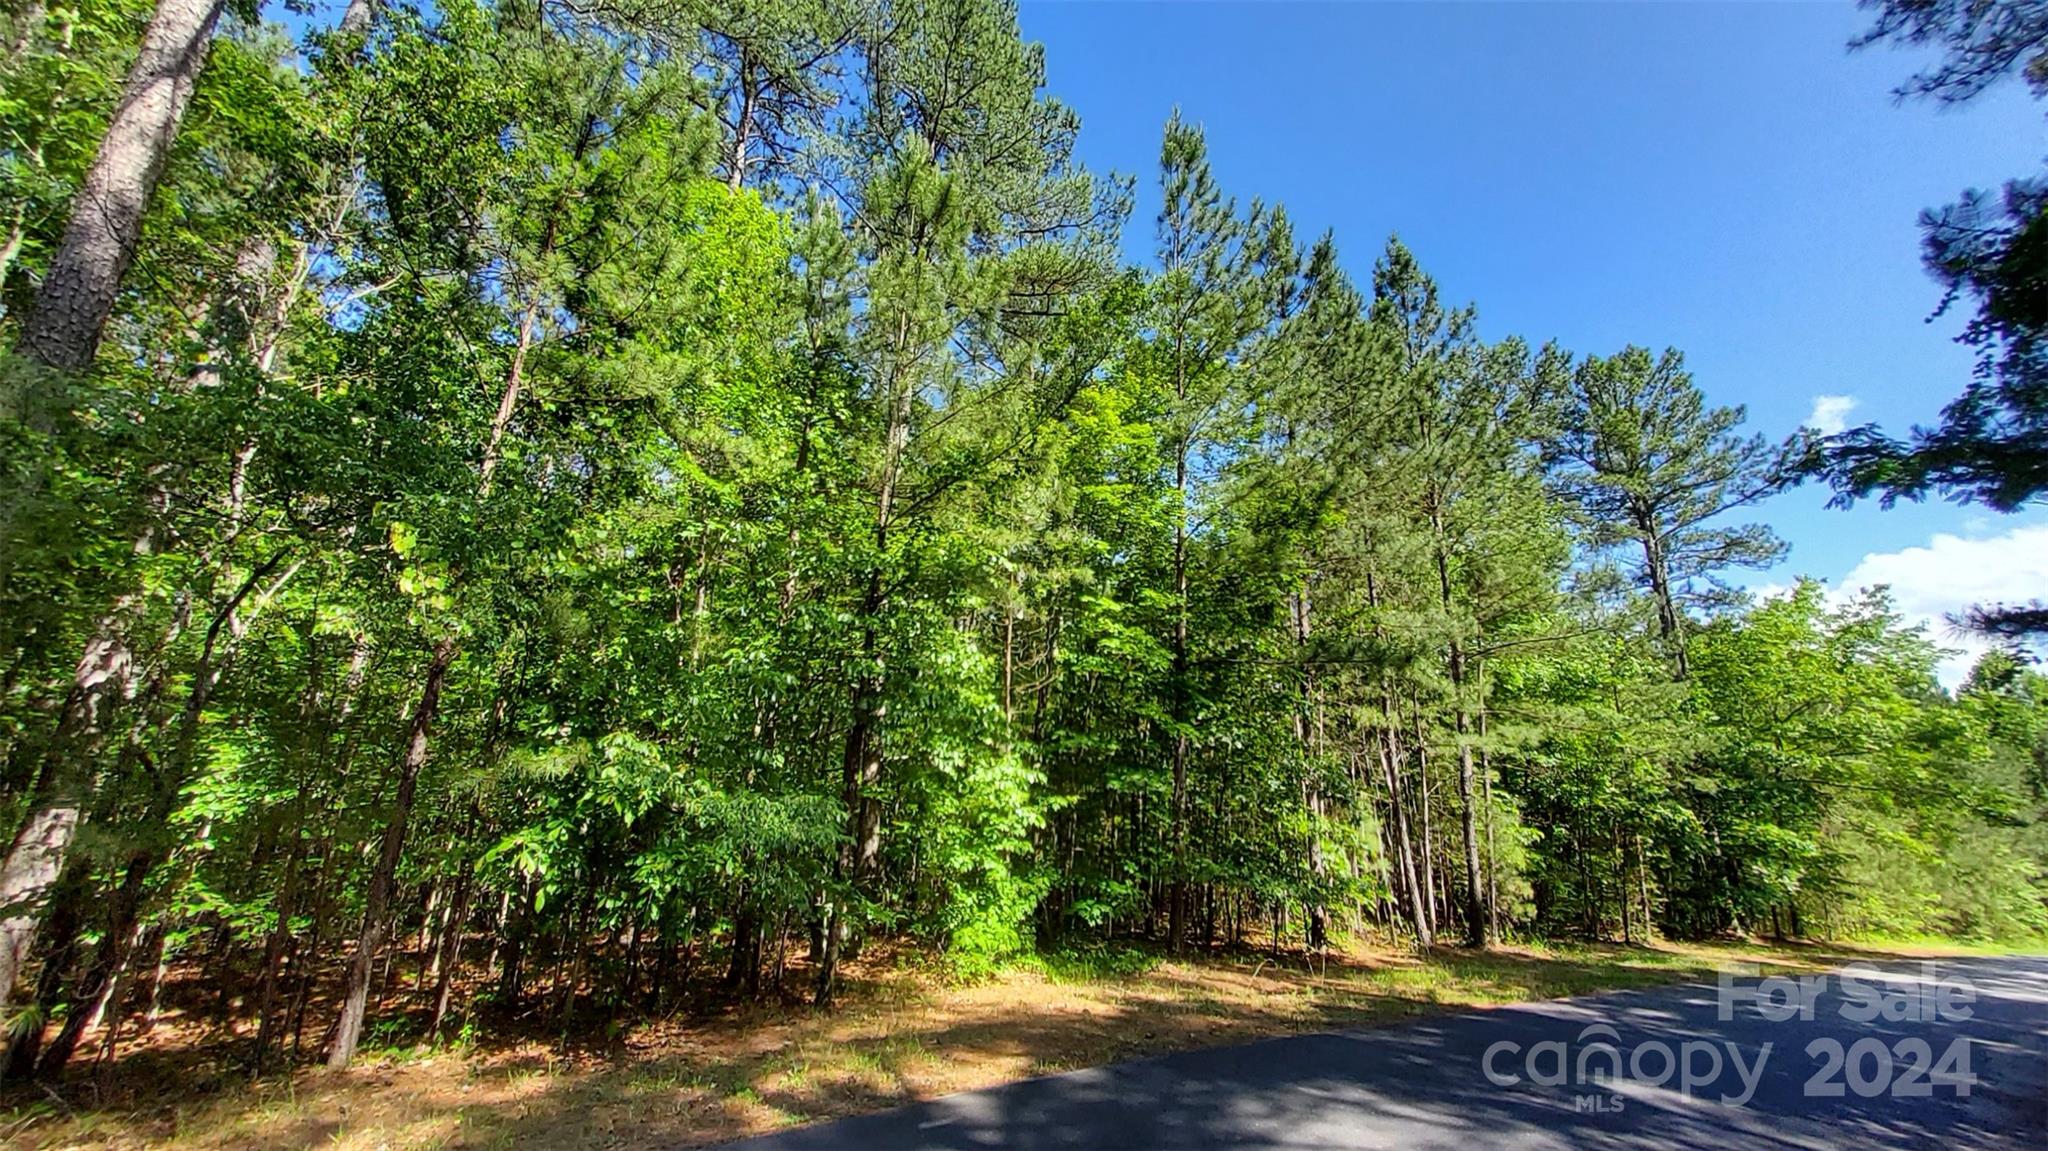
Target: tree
595, 499
60, 336
1212, 298
1646, 462
970, 222
77, 291
773, 68
1982, 42
1987, 249
598, 163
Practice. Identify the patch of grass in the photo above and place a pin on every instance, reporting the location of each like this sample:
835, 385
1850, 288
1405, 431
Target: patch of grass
906, 1033
1094, 964
1907, 944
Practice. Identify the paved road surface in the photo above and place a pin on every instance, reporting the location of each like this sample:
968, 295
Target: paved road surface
1426, 1085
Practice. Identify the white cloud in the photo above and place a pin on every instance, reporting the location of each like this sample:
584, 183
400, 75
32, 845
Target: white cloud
1830, 414
1949, 574
1770, 589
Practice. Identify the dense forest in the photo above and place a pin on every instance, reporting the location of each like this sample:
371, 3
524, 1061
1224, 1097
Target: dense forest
570, 507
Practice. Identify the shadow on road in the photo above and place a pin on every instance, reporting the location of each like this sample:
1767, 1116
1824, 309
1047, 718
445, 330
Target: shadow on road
1423, 1085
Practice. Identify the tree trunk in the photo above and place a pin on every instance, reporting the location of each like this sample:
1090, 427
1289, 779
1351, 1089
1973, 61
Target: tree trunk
512, 932
355, 19
1428, 837
159, 963
861, 766
1478, 926
349, 1029
1622, 894
743, 973
1312, 796
508, 400
1477, 931
38, 851
274, 946
449, 956
1643, 884
1670, 623
166, 785
1417, 910
109, 1009
77, 293
1492, 856
427, 944
1176, 908
111, 956
61, 947
860, 772
743, 122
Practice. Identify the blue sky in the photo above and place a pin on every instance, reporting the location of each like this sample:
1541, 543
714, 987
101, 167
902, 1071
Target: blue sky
1725, 178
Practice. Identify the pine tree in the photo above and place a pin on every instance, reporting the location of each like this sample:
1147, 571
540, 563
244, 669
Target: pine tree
1986, 249
1647, 463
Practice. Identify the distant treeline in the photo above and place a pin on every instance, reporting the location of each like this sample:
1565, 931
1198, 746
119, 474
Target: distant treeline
559, 505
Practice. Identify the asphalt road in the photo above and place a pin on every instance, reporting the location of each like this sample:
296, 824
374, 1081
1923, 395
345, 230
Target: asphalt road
1531, 1076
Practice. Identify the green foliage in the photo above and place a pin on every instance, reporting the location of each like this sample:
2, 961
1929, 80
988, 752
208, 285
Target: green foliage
1986, 249
741, 420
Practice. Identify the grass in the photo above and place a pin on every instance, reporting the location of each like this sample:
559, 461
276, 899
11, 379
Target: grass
1937, 945
900, 1036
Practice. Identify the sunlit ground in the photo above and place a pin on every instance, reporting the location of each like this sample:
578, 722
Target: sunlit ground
900, 1036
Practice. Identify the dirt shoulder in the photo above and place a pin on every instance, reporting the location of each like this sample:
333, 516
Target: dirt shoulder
902, 1035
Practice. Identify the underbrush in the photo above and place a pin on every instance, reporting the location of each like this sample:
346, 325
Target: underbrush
1090, 963
908, 1027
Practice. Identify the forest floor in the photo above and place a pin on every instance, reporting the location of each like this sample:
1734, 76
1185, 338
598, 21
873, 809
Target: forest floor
899, 1035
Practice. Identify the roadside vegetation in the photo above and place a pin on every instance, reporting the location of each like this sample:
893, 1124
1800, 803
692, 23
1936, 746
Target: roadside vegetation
540, 542
904, 1032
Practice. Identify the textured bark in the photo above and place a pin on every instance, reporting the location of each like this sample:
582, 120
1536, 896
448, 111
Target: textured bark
104, 675
356, 18
348, 1030
1670, 621
77, 294
33, 862
62, 942
1418, 910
